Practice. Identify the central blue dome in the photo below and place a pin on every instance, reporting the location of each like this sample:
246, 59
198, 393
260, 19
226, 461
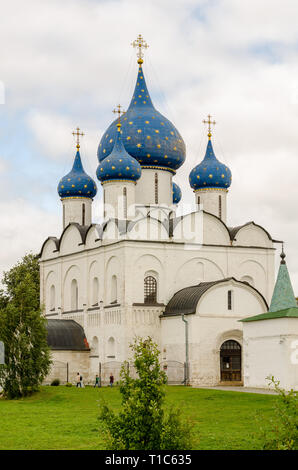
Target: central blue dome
147, 135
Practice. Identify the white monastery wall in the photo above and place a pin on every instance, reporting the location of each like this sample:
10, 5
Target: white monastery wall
271, 348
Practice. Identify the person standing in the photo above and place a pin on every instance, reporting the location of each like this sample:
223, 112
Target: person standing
111, 380
79, 384
96, 381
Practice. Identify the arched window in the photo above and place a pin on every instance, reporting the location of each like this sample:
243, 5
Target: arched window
219, 207
199, 200
114, 290
125, 203
156, 187
95, 291
94, 346
150, 290
83, 214
74, 295
52, 297
111, 348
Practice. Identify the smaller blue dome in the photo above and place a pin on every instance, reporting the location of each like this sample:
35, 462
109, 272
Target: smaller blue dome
77, 183
176, 193
210, 173
118, 165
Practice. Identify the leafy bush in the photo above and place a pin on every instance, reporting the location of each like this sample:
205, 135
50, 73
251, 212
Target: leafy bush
281, 432
143, 423
68, 384
55, 383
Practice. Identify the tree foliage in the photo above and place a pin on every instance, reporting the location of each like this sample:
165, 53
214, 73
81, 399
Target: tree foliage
143, 422
281, 432
23, 331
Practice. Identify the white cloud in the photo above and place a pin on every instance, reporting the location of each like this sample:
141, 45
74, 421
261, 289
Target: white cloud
69, 63
24, 228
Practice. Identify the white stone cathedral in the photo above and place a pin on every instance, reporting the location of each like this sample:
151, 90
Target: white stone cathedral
185, 281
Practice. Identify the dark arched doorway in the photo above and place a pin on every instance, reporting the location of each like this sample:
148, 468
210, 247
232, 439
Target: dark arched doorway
230, 361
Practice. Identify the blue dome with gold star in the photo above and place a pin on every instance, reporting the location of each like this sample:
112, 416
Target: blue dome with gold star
176, 193
147, 135
118, 165
77, 183
210, 173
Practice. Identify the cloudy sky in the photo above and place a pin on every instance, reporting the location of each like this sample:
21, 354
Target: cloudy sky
68, 63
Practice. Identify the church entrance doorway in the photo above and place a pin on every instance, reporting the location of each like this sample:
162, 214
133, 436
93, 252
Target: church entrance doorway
230, 361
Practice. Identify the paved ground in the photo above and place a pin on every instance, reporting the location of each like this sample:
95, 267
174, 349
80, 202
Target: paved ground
265, 391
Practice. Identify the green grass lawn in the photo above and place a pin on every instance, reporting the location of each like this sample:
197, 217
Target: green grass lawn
66, 418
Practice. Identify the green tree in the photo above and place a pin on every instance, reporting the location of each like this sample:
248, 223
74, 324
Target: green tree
143, 422
23, 331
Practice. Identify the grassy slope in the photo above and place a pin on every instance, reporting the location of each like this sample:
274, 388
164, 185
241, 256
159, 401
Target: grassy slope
66, 418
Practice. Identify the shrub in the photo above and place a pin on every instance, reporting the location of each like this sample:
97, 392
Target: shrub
143, 422
55, 383
281, 432
68, 384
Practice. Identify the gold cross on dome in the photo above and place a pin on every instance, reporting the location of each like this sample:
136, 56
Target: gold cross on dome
118, 111
78, 134
209, 122
141, 44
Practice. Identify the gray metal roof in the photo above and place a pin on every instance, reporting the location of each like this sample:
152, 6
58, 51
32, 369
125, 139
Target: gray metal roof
186, 300
66, 335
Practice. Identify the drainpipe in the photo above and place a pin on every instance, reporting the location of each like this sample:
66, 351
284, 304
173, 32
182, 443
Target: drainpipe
186, 382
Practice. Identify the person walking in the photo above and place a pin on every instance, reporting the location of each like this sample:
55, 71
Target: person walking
96, 381
111, 380
79, 384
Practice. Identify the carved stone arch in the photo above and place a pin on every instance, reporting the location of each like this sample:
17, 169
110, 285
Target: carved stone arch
72, 273
189, 273
113, 280
148, 265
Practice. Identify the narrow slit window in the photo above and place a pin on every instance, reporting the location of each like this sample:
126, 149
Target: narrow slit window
219, 207
156, 188
83, 214
125, 203
229, 300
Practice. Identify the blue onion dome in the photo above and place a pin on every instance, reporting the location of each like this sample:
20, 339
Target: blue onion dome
77, 183
118, 165
210, 173
176, 193
147, 135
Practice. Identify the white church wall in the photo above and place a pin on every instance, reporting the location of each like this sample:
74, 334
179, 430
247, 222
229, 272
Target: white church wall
271, 349
252, 235
49, 250
244, 301
214, 231
71, 241
92, 238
